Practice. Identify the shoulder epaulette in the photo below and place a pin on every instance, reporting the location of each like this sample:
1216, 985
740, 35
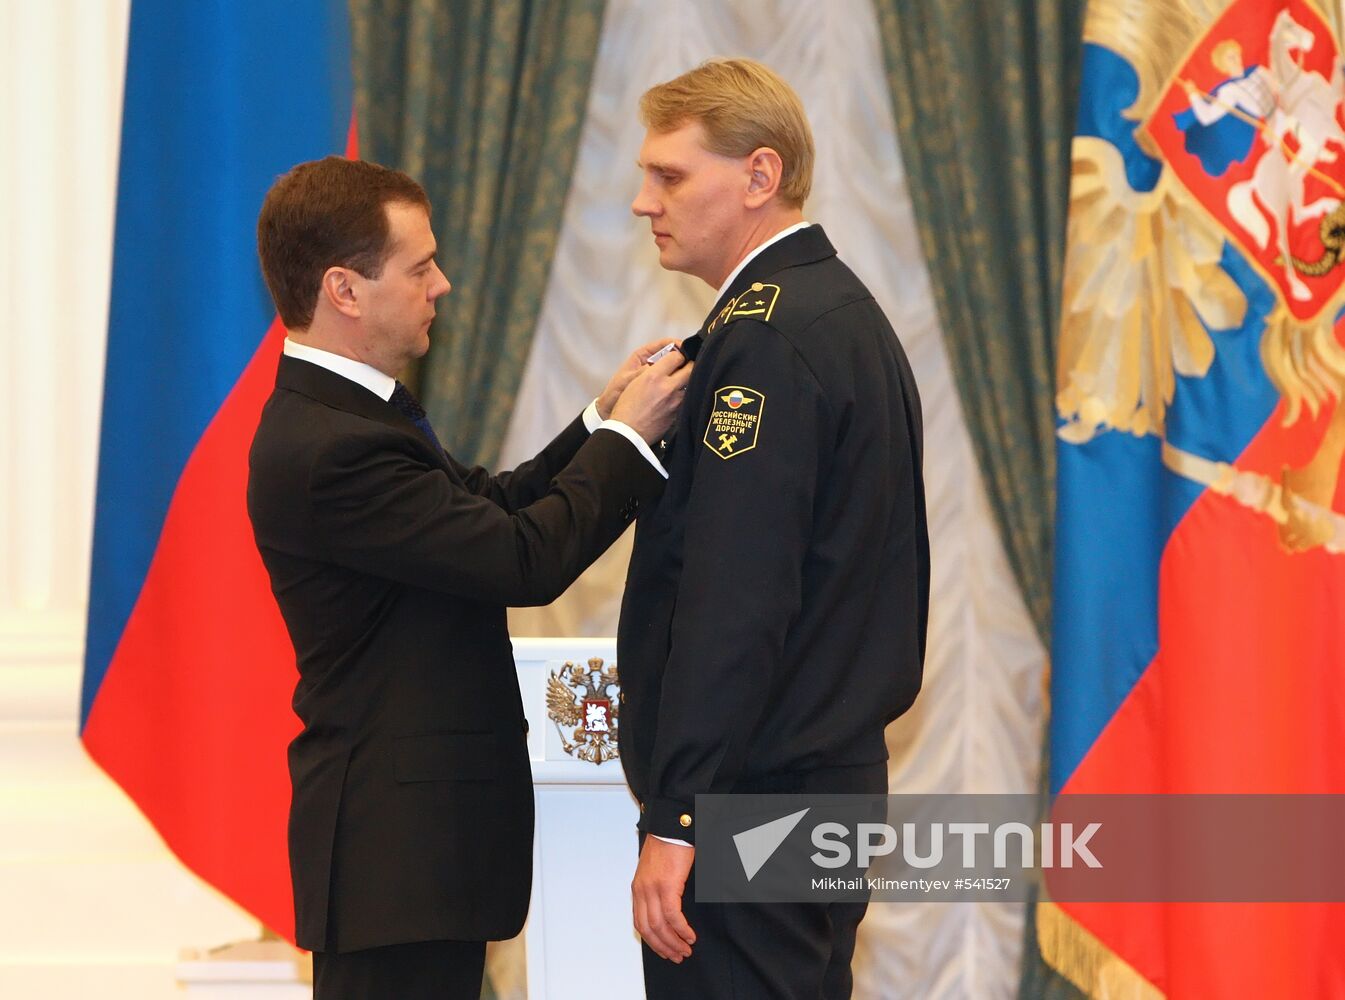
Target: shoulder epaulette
758, 302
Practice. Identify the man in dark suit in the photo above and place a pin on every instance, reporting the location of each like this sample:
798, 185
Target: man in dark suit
392, 563
775, 611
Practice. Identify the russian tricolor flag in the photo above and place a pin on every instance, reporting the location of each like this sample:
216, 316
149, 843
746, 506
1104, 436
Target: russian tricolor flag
1199, 633
188, 669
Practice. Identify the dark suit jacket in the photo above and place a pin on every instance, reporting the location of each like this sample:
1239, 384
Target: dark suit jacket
392, 564
775, 609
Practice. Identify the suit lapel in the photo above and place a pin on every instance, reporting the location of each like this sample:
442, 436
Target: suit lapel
330, 389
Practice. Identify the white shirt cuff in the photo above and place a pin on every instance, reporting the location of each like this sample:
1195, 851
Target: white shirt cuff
670, 840
591, 419
626, 431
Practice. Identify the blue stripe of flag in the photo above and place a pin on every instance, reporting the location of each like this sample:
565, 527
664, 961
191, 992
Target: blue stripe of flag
1117, 504
219, 100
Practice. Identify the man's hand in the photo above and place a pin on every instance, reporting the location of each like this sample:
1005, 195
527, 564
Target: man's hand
656, 898
651, 400
628, 370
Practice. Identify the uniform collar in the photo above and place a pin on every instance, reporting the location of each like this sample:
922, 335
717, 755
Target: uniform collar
792, 249
753, 254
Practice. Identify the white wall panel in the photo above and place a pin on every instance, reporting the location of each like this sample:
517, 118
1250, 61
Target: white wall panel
61, 89
94, 905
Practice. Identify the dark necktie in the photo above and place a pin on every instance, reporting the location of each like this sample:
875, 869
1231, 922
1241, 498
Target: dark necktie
410, 408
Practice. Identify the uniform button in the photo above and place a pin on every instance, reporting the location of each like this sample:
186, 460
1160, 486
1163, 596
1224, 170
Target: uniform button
685, 820
621, 697
641, 807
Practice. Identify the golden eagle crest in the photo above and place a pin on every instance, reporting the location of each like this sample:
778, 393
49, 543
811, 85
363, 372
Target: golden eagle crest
1145, 281
583, 702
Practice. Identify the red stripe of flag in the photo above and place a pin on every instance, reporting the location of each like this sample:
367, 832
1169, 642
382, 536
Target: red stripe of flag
193, 717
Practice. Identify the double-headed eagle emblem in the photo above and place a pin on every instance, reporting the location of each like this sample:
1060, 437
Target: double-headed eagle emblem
583, 702
1233, 161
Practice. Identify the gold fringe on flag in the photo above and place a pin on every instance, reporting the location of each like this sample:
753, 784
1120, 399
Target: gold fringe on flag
1085, 961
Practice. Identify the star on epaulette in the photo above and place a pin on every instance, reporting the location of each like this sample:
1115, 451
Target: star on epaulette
758, 302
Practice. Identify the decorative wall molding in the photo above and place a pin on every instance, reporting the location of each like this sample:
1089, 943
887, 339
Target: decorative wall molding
61, 81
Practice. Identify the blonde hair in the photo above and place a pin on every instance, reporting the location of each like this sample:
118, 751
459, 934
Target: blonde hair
742, 106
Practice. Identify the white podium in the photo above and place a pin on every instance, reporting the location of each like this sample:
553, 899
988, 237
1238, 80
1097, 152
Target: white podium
579, 938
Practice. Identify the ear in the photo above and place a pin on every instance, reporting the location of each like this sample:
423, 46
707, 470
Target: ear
339, 289
766, 169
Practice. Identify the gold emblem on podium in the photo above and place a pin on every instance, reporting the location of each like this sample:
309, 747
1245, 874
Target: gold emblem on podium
583, 702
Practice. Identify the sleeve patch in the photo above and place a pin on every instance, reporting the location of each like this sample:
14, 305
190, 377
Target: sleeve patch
734, 421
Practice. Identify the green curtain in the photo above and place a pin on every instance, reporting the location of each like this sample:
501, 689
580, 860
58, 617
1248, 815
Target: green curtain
984, 94
481, 101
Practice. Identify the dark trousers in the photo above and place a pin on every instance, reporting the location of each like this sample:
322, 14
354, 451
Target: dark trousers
769, 951
424, 970
760, 951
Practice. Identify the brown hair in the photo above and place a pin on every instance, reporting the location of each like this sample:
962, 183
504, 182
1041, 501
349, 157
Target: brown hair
326, 213
742, 106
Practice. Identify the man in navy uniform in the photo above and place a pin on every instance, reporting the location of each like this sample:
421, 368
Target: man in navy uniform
775, 611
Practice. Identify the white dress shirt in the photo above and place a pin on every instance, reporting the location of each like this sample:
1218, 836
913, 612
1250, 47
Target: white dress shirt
382, 385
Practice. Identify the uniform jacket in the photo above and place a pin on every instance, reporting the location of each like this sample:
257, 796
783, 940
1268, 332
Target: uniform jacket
392, 564
775, 611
